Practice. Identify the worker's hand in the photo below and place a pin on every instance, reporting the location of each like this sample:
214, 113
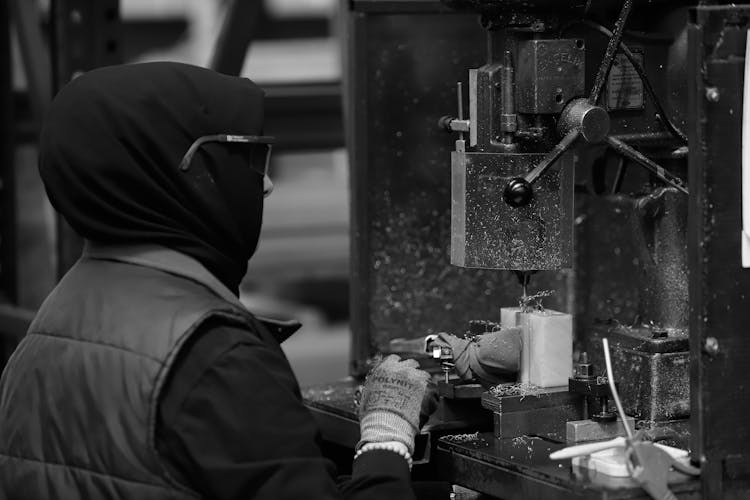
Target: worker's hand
490, 358
391, 400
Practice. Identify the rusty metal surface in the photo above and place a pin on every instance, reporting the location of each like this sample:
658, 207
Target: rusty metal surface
489, 233
549, 73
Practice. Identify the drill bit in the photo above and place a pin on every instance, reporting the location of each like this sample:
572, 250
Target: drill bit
524, 277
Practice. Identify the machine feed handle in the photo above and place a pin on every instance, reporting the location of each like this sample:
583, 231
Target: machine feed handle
519, 192
609, 54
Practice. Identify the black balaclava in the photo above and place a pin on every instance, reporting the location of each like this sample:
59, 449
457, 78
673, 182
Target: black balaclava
110, 150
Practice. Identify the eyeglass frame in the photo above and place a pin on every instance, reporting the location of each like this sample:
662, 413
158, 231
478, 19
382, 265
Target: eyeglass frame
268, 140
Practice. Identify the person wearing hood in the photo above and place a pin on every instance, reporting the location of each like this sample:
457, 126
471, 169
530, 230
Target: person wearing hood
142, 375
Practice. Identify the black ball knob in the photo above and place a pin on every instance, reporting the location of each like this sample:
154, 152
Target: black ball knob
518, 192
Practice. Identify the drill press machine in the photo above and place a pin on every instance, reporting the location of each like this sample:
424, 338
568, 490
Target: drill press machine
558, 82
604, 137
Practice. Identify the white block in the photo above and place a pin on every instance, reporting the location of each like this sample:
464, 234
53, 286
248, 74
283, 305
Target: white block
548, 348
547, 355
510, 316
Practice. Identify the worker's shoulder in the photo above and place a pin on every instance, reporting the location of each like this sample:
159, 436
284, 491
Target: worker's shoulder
219, 333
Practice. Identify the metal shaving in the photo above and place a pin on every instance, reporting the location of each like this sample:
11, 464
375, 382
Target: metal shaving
531, 303
522, 389
462, 438
525, 441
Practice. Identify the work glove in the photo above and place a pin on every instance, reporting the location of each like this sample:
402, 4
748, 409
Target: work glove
490, 358
392, 396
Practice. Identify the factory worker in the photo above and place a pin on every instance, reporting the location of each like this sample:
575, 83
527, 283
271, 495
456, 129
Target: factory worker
143, 376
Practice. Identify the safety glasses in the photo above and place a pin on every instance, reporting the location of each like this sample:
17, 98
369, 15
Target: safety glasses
259, 153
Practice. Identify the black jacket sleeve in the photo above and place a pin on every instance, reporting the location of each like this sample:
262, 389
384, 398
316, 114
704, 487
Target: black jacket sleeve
232, 426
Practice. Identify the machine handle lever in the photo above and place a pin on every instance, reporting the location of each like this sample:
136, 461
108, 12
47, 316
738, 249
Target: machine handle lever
609, 54
646, 163
519, 192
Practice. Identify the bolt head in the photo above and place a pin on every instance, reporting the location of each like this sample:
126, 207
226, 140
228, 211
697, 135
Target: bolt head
585, 371
711, 346
712, 94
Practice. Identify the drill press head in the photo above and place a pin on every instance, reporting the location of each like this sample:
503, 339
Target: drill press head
500, 219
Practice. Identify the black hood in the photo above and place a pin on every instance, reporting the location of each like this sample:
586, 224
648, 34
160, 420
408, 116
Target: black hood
110, 150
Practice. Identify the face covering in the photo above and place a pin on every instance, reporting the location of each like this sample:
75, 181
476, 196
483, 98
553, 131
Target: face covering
110, 151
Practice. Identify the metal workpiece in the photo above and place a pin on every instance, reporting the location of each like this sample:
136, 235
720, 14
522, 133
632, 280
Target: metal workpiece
549, 73
488, 233
584, 369
569, 7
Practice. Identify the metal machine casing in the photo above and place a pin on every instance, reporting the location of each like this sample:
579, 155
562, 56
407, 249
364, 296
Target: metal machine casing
487, 233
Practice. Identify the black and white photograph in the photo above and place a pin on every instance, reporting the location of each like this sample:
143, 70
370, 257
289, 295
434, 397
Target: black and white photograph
374, 250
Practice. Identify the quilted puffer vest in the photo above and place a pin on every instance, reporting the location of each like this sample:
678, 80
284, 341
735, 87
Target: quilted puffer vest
78, 398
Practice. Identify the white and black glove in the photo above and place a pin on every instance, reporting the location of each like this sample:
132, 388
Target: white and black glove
391, 401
